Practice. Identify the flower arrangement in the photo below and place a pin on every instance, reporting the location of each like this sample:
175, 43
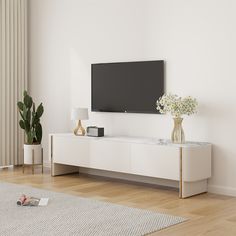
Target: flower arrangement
176, 105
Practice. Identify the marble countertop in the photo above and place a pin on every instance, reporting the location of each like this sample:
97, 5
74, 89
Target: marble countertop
138, 140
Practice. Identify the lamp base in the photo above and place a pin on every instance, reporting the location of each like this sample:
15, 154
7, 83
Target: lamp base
79, 130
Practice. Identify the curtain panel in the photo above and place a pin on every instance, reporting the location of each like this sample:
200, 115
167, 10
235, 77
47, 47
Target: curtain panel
13, 77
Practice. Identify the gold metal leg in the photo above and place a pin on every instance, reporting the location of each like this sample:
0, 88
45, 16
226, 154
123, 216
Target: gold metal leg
23, 162
42, 160
51, 155
32, 161
181, 174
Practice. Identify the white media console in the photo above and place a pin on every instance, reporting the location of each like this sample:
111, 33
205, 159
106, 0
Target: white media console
189, 163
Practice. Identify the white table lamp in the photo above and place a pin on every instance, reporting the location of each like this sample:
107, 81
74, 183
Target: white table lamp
79, 114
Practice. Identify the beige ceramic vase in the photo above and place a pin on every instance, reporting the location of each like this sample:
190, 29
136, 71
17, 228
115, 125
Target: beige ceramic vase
177, 135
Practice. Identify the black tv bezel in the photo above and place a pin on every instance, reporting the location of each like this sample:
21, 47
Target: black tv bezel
125, 111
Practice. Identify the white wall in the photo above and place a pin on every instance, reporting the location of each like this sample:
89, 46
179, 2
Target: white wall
196, 38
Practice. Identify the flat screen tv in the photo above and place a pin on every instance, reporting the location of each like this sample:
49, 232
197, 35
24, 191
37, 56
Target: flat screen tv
127, 86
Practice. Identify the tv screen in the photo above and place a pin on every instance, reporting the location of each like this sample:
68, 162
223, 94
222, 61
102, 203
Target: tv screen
127, 86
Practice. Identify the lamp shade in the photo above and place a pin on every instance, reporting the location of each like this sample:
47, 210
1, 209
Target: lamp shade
79, 114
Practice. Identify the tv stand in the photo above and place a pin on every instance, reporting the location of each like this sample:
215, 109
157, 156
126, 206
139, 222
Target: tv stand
189, 163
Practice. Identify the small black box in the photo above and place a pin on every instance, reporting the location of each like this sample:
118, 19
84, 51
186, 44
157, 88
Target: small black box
95, 131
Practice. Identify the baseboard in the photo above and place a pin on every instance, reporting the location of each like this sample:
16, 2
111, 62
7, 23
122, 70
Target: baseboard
217, 189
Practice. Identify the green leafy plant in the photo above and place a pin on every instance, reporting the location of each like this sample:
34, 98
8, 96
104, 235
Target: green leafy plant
30, 119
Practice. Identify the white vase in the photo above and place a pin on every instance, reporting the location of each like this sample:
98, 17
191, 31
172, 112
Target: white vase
29, 151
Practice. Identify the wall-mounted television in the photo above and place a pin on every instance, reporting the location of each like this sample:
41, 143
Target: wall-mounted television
127, 86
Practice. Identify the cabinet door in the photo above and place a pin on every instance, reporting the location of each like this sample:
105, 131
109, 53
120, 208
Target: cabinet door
109, 155
155, 161
71, 150
196, 163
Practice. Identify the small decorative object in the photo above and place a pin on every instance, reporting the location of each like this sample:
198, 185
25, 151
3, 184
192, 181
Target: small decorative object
177, 107
79, 114
30, 123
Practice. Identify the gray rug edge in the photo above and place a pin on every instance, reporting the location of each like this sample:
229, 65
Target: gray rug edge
88, 198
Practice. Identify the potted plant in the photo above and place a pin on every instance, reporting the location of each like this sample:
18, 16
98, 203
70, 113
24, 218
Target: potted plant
30, 123
177, 107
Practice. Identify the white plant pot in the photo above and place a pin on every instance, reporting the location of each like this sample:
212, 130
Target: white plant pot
29, 151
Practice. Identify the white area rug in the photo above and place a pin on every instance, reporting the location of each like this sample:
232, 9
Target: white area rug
71, 215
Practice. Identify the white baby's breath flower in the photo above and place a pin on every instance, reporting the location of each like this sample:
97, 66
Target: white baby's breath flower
176, 106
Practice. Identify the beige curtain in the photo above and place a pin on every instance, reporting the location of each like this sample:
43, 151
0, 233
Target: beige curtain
13, 77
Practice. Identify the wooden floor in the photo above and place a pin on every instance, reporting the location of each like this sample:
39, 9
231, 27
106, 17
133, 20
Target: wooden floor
208, 214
